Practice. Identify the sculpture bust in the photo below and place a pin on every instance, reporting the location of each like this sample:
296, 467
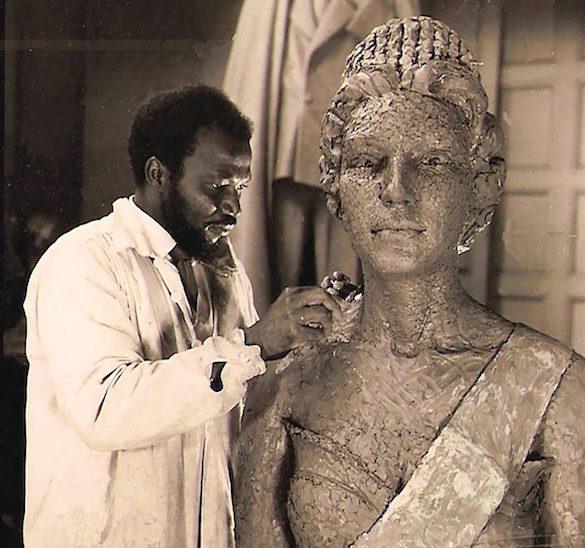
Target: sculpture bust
435, 422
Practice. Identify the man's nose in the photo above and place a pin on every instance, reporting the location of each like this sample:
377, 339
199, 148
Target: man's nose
230, 203
396, 182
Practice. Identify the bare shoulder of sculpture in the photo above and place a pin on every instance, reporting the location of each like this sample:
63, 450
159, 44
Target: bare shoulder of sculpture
278, 387
566, 409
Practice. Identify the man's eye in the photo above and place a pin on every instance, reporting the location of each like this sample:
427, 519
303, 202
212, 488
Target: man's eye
226, 182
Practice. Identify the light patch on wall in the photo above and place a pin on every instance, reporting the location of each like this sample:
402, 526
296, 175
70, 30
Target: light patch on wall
582, 131
524, 238
529, 311
578, 326
526, 117
529, 30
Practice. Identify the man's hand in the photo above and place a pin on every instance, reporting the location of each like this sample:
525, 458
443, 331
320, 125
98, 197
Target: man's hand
300, 314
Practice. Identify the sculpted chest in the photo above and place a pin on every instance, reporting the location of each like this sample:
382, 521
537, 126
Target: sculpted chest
347, 394
360, 423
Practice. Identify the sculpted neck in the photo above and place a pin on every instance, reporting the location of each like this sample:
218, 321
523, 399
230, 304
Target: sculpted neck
412, 311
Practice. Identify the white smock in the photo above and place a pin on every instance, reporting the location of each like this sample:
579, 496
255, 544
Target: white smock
127, 445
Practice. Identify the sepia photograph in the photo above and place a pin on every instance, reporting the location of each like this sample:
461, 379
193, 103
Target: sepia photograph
293, 273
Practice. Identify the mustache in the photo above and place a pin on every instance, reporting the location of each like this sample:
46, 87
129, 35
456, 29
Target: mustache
223, 220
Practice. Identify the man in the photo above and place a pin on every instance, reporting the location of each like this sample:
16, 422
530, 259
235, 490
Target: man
137, 360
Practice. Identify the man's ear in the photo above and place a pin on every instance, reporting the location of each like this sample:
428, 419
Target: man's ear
156, 174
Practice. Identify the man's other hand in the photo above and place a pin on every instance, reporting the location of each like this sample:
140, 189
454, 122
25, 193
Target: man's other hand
300, 314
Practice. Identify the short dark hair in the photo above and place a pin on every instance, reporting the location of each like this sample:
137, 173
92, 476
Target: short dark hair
166, 126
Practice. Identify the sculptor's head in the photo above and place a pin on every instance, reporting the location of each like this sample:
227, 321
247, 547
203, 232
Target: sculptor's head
190, 153
410, 157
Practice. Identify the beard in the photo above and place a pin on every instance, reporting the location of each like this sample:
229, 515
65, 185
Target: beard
193, 240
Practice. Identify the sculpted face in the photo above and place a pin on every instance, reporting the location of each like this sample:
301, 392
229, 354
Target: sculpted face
201, 207
405, 182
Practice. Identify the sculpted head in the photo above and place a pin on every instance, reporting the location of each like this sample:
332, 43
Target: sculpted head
408, 140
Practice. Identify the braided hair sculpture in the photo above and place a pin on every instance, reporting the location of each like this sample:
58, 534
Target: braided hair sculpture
422, 55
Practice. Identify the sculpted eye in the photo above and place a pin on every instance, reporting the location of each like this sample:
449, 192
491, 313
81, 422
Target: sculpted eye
364, 162
241, 186
435, 160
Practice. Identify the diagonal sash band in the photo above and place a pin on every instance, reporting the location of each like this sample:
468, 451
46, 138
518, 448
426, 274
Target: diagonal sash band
464, 476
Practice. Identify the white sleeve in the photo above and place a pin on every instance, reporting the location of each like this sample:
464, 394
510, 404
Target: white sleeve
115, 399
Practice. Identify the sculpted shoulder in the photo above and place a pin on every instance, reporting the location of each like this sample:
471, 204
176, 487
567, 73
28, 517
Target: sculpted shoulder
566, 409
287, 379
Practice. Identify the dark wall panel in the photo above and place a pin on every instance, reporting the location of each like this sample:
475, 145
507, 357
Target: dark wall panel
49, 131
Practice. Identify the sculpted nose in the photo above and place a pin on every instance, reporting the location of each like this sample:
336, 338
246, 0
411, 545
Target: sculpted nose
230, 204
395, 186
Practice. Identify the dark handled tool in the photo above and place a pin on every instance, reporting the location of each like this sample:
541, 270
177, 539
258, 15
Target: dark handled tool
216, 382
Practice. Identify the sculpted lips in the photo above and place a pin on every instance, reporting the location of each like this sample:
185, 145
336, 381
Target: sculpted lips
407, 229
